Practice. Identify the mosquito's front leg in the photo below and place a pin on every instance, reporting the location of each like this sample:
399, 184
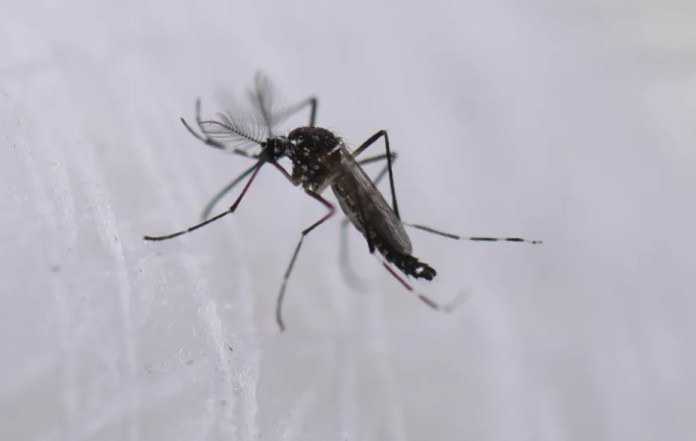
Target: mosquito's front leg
312, 102
230, 210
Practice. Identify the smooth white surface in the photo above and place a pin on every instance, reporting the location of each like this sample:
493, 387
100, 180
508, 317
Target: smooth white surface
570, 122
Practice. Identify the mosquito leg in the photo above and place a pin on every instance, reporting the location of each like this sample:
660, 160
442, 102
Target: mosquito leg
380, 176
262, 95
447, 307
288, 271
385, 169
230, 210
208, 140
377, 158
349, 276
313, 113
285, 173
473, 238
312, 102
213, 202
371, 140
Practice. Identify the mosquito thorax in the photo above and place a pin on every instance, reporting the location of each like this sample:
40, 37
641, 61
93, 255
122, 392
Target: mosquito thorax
310, 141
310, 150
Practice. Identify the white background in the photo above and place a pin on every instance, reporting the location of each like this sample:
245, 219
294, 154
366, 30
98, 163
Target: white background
571, 122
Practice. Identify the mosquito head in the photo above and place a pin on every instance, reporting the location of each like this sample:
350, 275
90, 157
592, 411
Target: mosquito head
276, 147
310, 141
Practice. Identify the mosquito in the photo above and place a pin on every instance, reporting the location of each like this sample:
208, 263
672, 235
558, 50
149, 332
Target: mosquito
320, 159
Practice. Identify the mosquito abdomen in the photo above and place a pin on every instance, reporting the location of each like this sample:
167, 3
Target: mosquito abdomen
406, 263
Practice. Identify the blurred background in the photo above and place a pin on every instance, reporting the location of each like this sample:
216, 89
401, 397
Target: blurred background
569, 122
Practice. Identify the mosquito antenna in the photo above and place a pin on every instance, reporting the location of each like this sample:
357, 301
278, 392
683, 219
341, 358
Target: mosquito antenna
246, 131
473, 238
232, 128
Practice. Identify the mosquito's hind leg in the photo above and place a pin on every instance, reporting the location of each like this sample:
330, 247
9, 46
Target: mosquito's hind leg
288, 271
472, 238
389, 157
446, 307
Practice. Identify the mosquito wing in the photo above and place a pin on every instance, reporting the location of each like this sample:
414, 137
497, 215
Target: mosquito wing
365, 206
263, 97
